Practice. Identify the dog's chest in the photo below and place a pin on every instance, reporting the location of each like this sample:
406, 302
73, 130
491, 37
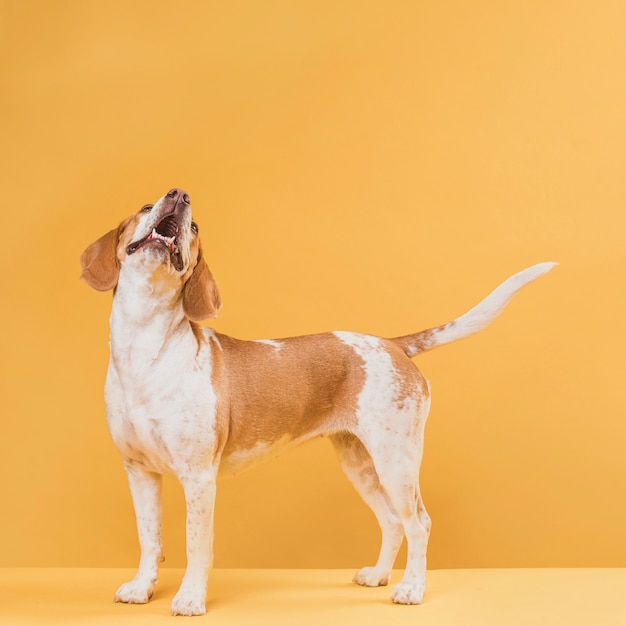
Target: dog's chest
159, 415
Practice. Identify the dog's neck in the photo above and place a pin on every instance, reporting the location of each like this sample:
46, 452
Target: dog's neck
146, 315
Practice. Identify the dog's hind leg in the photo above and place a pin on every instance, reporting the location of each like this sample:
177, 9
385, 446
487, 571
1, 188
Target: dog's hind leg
359, 468
398, 478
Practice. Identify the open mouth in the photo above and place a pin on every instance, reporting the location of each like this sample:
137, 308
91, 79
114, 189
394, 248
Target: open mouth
165, 234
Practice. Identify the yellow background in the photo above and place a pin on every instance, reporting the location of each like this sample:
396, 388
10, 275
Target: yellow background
370, 166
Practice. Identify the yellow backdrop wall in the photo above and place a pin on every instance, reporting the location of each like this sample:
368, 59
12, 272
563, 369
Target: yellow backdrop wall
370, 166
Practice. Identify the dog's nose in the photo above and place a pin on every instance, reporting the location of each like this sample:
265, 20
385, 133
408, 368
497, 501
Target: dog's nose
179, 194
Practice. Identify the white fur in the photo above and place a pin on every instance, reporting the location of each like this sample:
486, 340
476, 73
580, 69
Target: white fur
277, 345
485, 311
391, 428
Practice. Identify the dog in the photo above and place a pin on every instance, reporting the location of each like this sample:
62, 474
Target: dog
184, 400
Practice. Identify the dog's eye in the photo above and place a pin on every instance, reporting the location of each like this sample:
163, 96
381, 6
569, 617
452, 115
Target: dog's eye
194, 228
146, 209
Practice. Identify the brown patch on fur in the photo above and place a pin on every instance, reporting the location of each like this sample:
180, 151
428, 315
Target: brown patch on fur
129, 226
201, 298
101, 260
408, 380
198, 333
414, 344
308, 385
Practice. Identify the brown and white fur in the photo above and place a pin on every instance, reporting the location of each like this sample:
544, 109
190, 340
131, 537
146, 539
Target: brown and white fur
187, 401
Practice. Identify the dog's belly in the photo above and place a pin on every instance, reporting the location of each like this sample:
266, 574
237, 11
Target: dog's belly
236, 460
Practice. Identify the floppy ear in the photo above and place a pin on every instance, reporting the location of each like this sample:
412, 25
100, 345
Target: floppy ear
101, 268
201, 299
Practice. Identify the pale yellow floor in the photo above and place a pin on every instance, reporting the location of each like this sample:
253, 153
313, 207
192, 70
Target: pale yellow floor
585, 597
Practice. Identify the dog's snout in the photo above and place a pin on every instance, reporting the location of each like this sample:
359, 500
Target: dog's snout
179, 194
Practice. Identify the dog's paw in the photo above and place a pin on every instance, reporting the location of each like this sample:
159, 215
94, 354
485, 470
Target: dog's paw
188, 603
407, 593
371, 577
135, 592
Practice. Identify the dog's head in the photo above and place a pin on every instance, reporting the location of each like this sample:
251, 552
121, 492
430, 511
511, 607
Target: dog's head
160, 241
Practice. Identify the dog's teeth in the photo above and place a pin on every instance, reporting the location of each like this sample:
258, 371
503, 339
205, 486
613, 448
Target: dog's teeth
167, 240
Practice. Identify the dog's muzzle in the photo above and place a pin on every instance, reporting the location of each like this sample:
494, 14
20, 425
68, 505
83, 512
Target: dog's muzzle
173, 208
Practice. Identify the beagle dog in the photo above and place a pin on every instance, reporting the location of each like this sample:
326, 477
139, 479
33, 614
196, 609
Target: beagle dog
185, 400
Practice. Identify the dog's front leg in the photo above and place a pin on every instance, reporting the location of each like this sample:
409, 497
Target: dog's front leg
145, 488
199, 488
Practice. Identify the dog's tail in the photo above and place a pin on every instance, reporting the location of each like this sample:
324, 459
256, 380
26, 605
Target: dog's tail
475, 319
